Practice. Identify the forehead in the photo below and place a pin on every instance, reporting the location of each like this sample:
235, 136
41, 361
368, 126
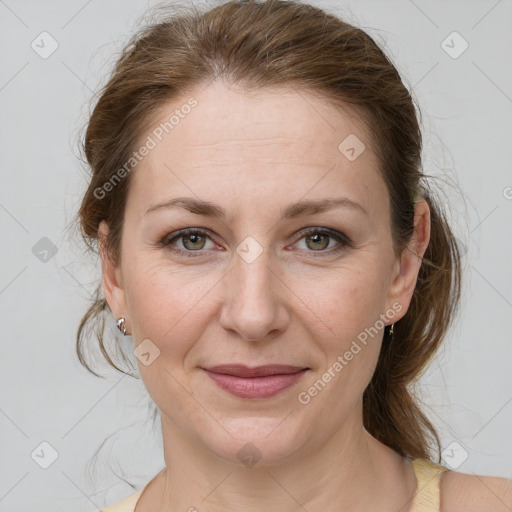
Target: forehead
281, 141
278, 116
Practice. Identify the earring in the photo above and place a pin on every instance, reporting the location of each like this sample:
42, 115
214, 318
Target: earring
391, 329
121, 326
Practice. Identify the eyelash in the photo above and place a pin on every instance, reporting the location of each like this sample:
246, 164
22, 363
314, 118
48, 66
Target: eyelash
341, 238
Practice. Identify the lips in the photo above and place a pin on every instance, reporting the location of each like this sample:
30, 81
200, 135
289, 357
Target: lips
257, 382
239, 370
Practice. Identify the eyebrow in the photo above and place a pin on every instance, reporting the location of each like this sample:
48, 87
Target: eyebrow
300, 209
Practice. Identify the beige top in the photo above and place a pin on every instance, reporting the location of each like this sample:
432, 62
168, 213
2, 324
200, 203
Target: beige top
427, 498
428, 495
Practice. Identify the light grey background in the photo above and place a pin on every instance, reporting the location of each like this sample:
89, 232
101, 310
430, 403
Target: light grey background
46, 396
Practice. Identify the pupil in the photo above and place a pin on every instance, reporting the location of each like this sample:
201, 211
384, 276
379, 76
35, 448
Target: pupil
317, 239
193, 239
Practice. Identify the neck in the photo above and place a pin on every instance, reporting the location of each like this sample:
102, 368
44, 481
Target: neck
351, 470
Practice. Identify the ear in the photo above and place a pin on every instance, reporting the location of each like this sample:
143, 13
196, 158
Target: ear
407, 266
112, 281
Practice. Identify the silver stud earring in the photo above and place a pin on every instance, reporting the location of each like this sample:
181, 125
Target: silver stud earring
121, 326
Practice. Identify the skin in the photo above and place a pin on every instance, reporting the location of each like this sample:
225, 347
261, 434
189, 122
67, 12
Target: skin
253, 155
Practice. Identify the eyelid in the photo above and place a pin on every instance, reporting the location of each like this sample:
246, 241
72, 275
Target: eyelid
166, 240
342, 239
333, 233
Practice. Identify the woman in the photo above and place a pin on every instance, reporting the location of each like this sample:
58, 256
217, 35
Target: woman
268, 240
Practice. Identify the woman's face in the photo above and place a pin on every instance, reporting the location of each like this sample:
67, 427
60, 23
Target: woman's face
267, 278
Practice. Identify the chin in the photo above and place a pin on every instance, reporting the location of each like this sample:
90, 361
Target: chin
256, 441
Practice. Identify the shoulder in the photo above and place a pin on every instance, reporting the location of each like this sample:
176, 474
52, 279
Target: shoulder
126, 505
463, 492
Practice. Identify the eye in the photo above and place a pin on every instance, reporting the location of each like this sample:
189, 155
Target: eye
319, 239
192, 240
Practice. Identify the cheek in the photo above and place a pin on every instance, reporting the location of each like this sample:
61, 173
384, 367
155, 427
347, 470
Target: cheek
173, 305
171, 308
350, 346
343, 301
346, 305
168, 304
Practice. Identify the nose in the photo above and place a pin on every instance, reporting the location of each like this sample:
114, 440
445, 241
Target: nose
254, 297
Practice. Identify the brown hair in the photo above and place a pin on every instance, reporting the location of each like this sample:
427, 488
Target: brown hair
258, 44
